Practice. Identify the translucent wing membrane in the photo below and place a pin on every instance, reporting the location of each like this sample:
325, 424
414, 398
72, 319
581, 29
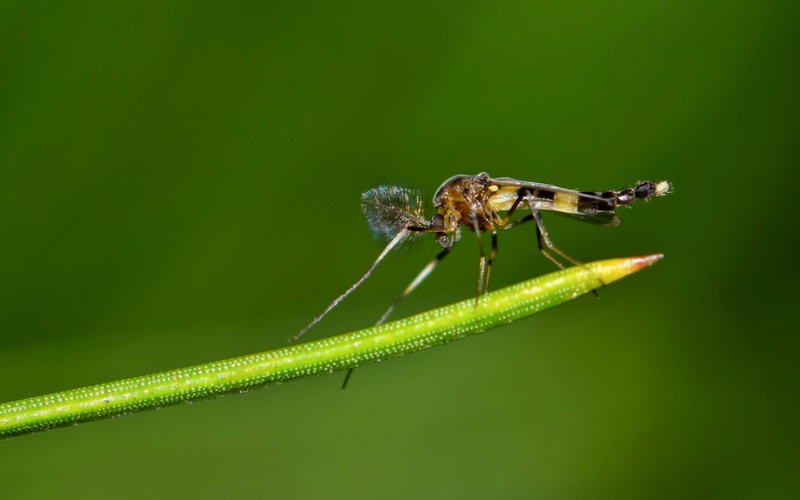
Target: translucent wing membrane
391, 209
608, 219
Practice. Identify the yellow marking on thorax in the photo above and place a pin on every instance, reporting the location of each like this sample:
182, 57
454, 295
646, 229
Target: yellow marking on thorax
566, 202
503, 198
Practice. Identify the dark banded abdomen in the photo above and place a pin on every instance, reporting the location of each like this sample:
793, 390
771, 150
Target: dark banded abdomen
547, 197
593, 202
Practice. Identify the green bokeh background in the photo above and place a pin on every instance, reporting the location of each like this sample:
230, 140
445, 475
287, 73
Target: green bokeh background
179, 183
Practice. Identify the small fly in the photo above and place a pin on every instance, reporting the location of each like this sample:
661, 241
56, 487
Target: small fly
475, 202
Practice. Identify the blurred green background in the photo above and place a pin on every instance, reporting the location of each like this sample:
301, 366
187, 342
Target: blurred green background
179, 183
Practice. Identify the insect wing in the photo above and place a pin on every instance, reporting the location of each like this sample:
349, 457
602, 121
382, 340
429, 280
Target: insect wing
535, 186
608, 219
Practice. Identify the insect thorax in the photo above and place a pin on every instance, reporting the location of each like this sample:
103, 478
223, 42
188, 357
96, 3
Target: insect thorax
463, 199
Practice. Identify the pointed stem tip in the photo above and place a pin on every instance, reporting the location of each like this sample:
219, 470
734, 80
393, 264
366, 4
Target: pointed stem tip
647, 260
637, 263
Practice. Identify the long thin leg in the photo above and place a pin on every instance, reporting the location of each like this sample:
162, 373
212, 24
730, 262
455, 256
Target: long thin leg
513, 209
541, 235
395, 241
491, 260
517, 222
543, 239
426, 271
347, 378
482, 272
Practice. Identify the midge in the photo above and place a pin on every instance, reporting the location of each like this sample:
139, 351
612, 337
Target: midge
475, 201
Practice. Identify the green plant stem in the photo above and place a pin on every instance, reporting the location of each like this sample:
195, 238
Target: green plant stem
242, 374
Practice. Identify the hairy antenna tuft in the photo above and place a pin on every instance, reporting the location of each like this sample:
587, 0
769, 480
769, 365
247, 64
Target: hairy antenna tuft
390, 209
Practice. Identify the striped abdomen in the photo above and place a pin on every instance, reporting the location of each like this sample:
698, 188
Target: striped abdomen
548, 197
591, 202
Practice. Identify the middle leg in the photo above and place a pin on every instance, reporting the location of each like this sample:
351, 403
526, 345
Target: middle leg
482, 272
